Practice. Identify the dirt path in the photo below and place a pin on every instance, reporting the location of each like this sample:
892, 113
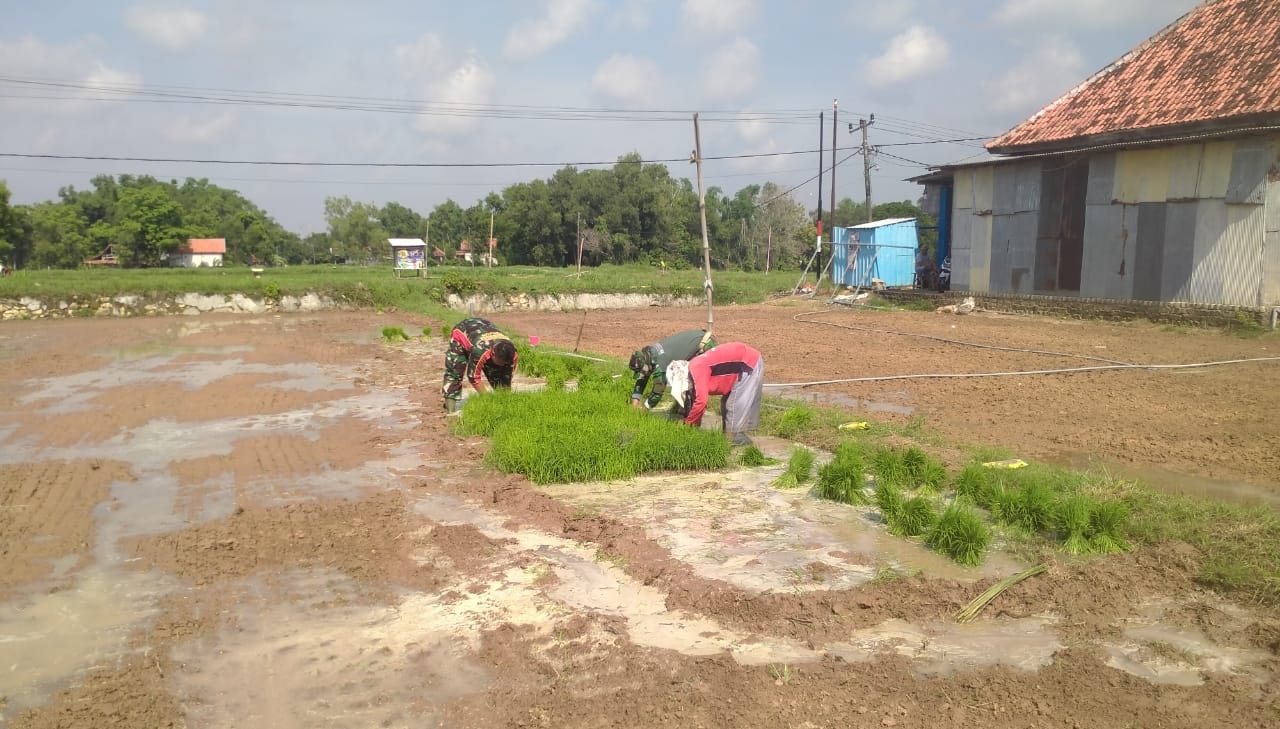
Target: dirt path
225, 522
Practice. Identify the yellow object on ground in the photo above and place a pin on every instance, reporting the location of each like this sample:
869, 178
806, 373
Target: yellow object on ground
855, 425
1011, 463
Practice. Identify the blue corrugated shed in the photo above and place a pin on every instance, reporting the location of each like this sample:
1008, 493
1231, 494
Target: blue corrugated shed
885, 249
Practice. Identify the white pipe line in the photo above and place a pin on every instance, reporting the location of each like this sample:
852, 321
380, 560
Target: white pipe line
1070, 370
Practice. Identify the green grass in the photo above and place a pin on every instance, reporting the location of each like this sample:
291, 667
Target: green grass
591, 434
799, 469
843, 479
960, 534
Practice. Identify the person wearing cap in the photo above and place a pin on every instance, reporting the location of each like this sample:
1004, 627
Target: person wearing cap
650, 362
735, 371
476, 349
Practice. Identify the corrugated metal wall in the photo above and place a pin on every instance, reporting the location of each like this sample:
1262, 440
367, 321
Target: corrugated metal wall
1198, 223
885, 252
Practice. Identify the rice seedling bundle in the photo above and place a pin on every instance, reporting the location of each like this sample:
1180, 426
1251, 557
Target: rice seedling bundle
914, 518
753, 457
563, 437
1074, 516
1034, 508
793, 421
924, 472
844, 478
394, 334
888, 498
1107, 524
960, 534
799, 469
976, 484
889, 466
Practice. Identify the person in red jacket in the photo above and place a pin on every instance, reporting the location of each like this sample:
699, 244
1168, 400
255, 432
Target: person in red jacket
735, 371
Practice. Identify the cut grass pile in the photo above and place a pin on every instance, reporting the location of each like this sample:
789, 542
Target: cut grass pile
591, 434
799, 469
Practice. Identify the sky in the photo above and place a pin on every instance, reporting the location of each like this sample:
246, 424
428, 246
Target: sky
420, 101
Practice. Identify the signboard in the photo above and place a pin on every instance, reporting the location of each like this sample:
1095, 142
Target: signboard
408, 254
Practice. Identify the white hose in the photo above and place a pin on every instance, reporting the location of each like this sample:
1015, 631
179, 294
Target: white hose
1069, 370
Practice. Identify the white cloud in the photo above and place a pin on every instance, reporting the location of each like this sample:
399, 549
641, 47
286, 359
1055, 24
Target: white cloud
732, 71
171, 28
633, 15
880, 15
189, 128
445, 84
72, 63
718, 16
752, 130
531, 37
1054, 68
628, 78
914, 51
1093, 14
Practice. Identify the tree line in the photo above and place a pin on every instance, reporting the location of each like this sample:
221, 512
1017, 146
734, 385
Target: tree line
632, 212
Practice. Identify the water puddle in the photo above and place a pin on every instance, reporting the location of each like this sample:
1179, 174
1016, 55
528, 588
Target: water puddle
1176, 656
307, 653
733, 526
852, 403
586, 581
940, 649
1171, 481
46, 638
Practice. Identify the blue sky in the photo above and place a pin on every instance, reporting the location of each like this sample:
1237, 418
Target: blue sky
517, 78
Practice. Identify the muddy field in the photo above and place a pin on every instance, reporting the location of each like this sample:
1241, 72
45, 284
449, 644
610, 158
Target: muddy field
265, 521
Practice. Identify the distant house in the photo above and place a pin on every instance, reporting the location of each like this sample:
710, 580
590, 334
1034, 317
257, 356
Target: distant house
437, 254
1157, 179
106, 258
199, 253
464, 251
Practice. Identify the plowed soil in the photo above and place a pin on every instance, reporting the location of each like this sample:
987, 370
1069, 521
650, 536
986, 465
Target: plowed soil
267, 521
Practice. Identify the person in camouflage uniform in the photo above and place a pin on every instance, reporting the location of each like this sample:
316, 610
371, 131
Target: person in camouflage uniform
476, 349
650, 362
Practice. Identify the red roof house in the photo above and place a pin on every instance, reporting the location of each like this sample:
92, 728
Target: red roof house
199, 252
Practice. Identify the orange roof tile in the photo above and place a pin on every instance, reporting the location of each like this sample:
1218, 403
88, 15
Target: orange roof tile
205, 245
1218, 62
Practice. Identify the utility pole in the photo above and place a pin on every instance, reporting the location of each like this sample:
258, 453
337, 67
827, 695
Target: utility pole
835, 123
864, 124
702, 212
489, 262
579, 245
817, 250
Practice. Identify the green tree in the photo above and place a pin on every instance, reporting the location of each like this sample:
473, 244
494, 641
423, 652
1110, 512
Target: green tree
60, 236
149, 225
401, 222
354, 228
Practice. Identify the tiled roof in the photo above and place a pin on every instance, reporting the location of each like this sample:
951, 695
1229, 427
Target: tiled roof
1217, 62
205, 245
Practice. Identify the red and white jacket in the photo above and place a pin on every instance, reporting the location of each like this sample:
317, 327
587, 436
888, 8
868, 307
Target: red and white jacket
715, 372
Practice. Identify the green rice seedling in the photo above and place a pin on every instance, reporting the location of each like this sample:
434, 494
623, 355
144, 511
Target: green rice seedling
888, 498
1035, 507
426, 332
1107, 524
932, 475
793, 421
889, 466
445, 331
960, 534
844, 478
914, 518
1004, 503
394, 334
753, 457
799, 469
1074, 517
976, 483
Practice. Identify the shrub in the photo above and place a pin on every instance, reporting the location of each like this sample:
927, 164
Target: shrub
844, 478
960, 534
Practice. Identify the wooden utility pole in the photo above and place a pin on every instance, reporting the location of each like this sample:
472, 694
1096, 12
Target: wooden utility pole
835, 124
579, 245
702, 212
491, 241
817, 244
863, 124
768, 252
